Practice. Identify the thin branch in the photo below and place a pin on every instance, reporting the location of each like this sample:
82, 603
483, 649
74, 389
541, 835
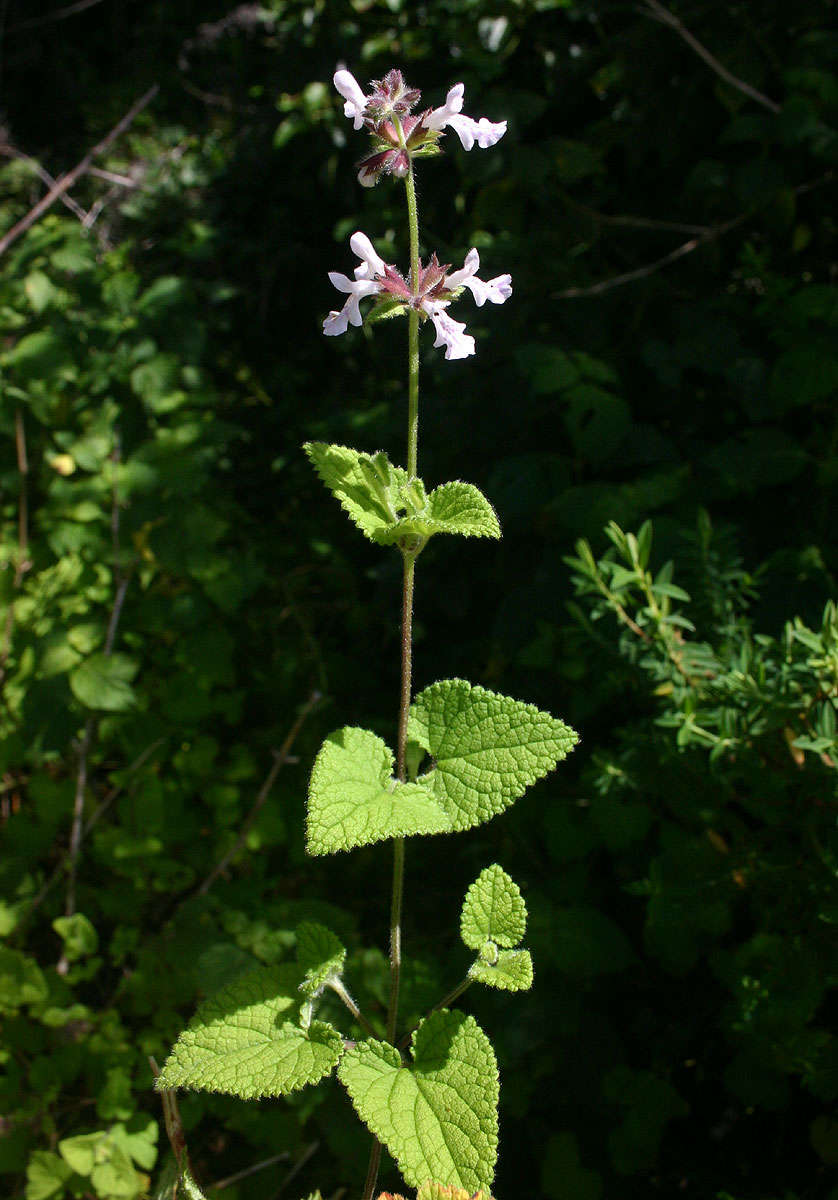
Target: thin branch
605, 285
22, 564
631, 222
58, 14
710, 234
45, 178
67, 181
107, 800
668, 18
307, 1154
339, 989
112, 177
280, 758
453, 995
248, 1171
77, 830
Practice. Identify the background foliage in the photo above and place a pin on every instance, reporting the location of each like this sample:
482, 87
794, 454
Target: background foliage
178, 588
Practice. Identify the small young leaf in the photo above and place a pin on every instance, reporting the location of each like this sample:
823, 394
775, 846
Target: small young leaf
437, 1118
493, 909
320, 956
511, 973
462, 508
243, 1041
487, 749
353, 799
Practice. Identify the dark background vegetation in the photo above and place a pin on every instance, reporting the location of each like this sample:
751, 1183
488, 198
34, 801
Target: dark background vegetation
162, 363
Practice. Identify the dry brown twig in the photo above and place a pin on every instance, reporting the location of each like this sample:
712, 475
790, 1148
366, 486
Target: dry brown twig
280, 758
666, 17
65, 182
22, 563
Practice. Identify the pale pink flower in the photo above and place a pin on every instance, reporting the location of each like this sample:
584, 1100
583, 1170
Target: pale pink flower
494, 290
486, 133
431, 294
356, 102
449, 333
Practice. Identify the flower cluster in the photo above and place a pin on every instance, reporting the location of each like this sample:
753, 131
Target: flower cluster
430, 294
399, 136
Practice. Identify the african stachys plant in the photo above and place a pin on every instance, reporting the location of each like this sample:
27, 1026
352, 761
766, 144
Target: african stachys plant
463, 755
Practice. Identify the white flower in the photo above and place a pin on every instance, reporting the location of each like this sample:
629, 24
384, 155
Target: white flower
449, 333
364, 284
495, 290
486, 133
356, 101
372, 264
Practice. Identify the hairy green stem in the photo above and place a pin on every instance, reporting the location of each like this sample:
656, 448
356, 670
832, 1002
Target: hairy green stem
413, 328
338, 987
409, 554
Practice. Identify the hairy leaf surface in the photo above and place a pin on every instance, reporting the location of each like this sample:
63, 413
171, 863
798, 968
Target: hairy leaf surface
438, 1118
319, 954
244, 1041
353, 798
486, 749
493, 909
511, 973
386, 507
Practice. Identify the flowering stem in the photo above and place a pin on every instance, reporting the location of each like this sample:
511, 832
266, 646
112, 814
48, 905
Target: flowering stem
409, 554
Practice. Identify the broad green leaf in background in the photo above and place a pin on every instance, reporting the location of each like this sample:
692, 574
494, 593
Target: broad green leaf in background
438, 1117
46, 1176
104, 681
78, 935
511, 971
493, 910
21, 981
562, 1175
244, 1041
486, 749
353, 799
320, 956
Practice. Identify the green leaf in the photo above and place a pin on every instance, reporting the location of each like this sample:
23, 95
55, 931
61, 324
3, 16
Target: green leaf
138, 1138
39, 290
493, 910
104, 681
21, 981
46, 1175
486, 749
438, 1118
80, 1152
78, 935
367, 486
587, 943
461, 508
243, 1041
387, 507
438, 1191
353, 799
562, 1174
512, 972
320, 955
